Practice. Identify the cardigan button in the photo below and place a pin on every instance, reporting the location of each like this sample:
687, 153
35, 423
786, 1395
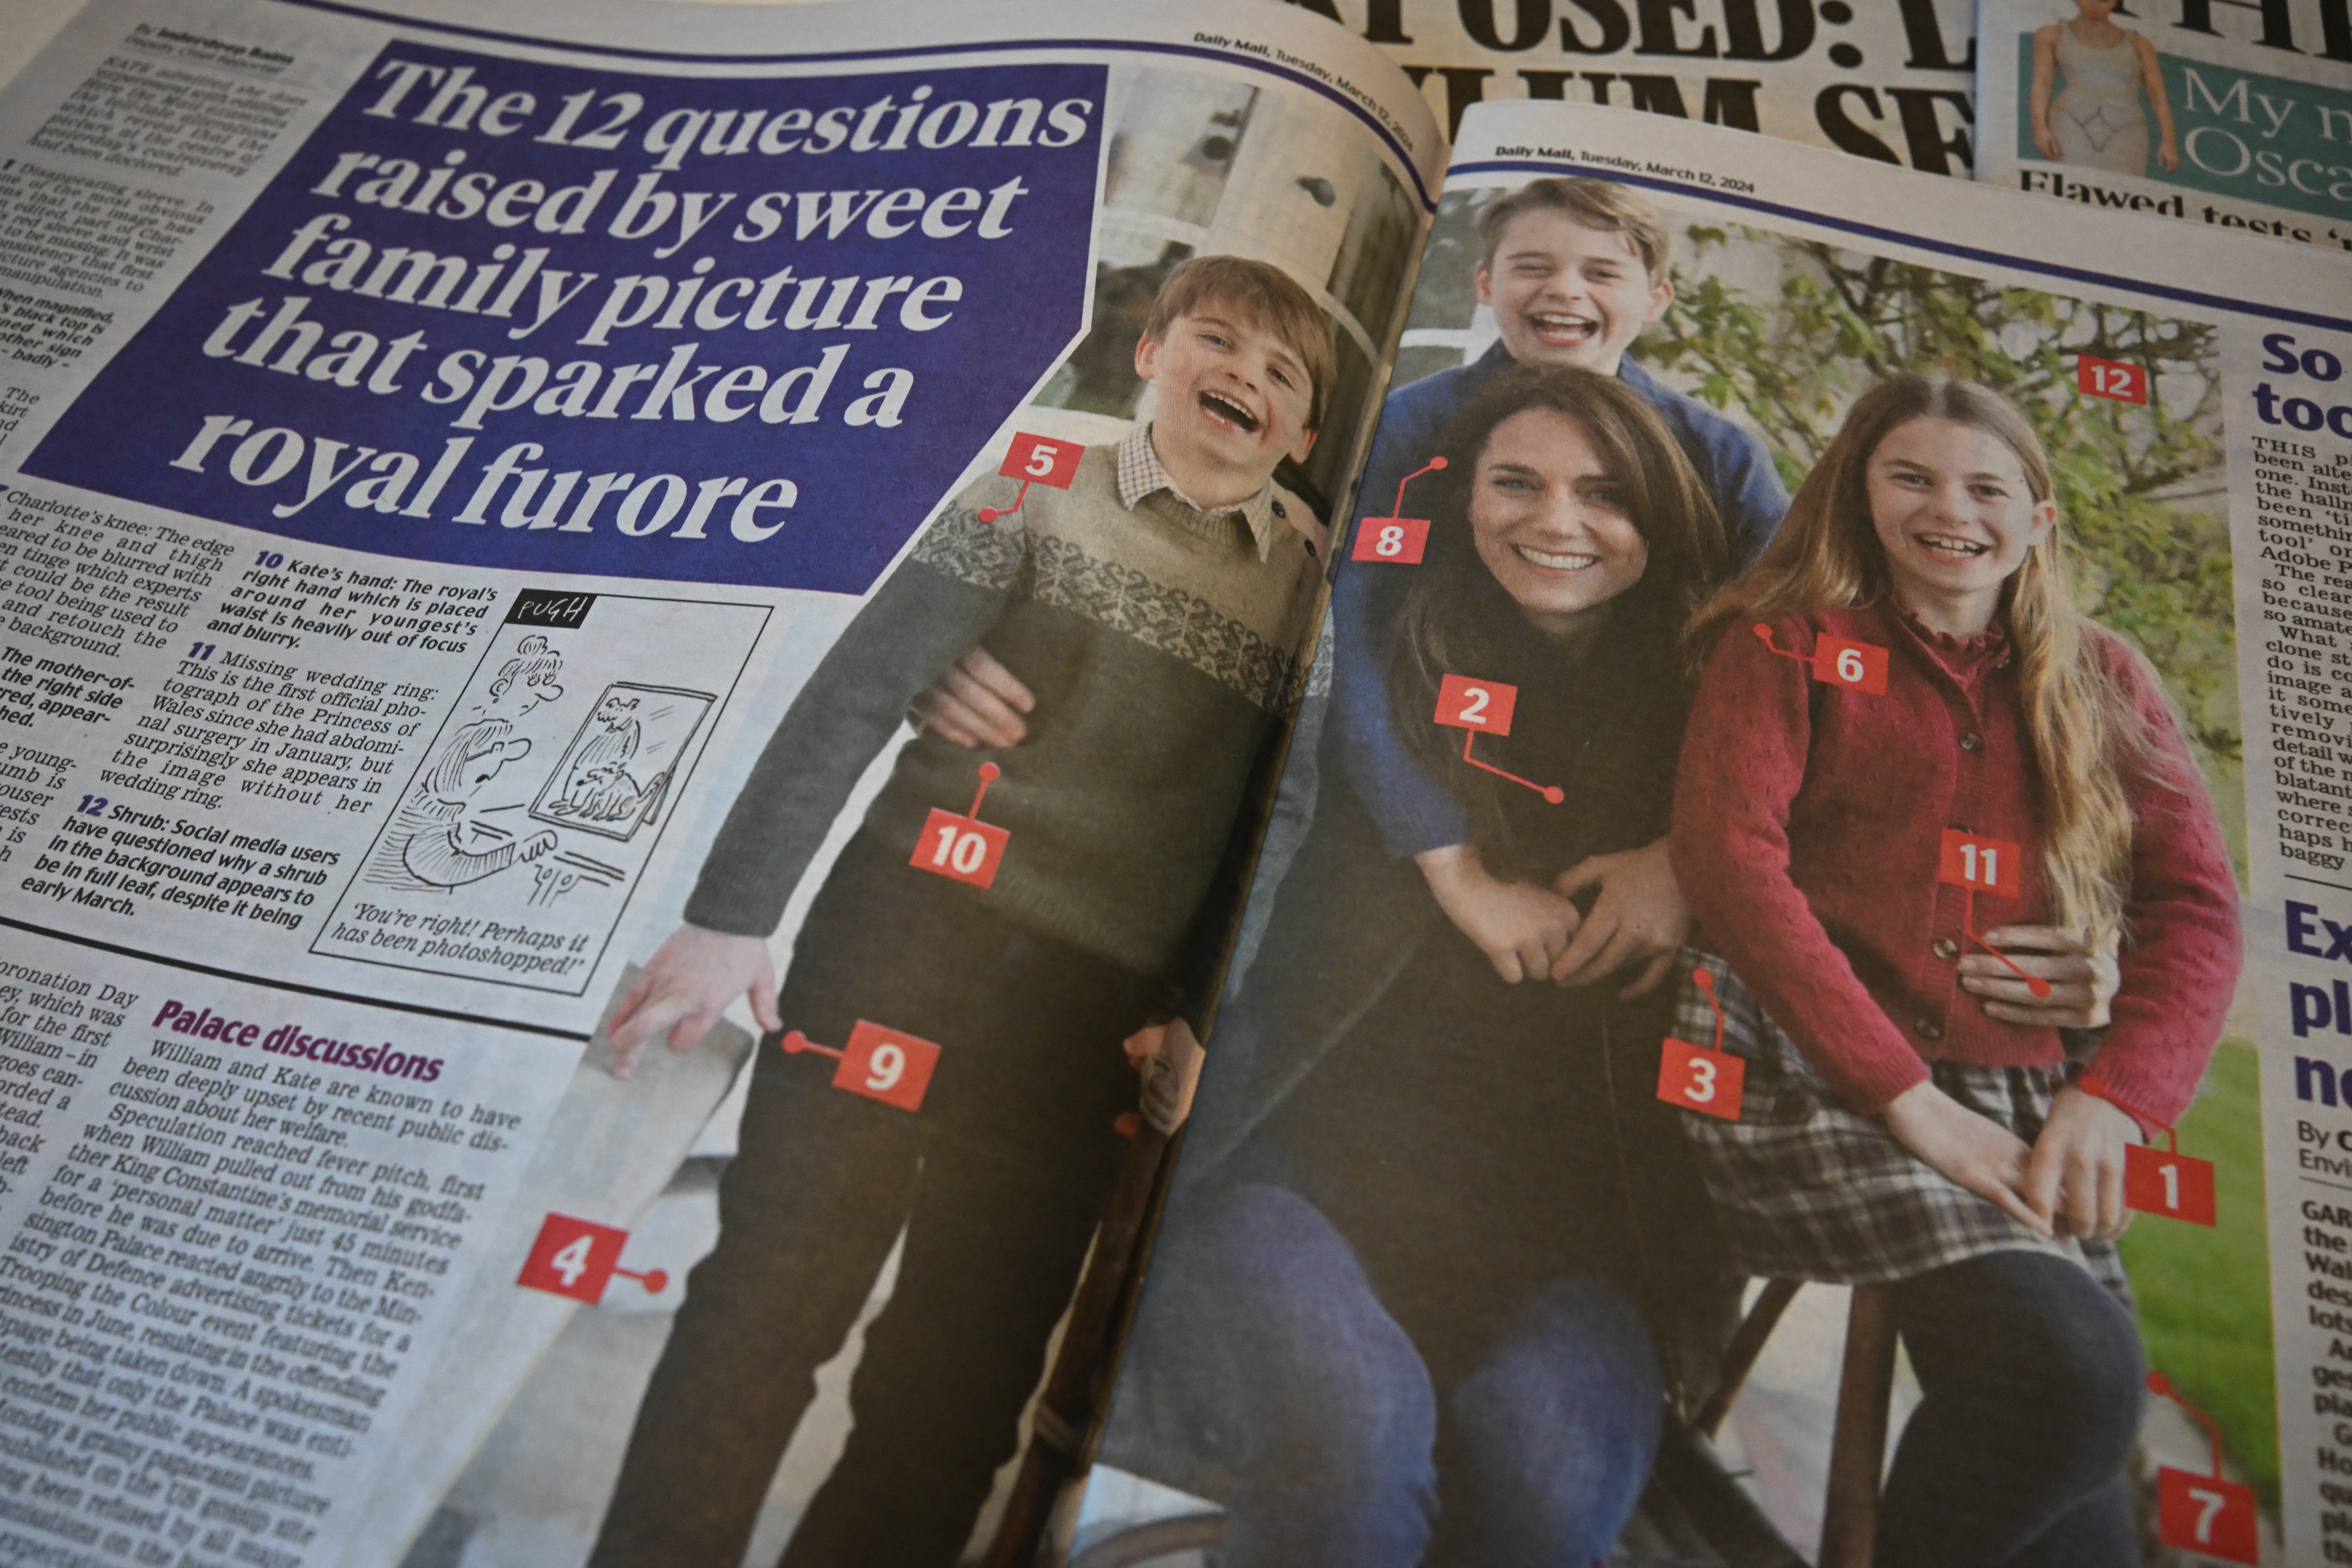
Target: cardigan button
1928, 1029
1945, 948
1970, 741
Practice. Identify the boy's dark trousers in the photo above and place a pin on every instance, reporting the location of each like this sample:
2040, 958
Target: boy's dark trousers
997, 1181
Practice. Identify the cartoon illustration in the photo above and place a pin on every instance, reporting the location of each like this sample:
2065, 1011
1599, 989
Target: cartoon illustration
426, 845
615, 772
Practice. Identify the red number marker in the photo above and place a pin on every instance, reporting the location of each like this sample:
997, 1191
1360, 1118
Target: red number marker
2161, 1180
962, 849
1838, 661
1979, 864
1699, 1078
879, 1063
2111, 379
1483, 705
1399, 539
1035, 461
2204, 1514
578, 1257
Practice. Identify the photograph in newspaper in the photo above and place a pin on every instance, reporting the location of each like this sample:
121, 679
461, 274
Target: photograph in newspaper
1947, 788
2239, 117
1887, 82
479, 499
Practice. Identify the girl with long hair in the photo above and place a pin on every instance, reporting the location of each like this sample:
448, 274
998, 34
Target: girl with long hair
1400, 1304
1846, 828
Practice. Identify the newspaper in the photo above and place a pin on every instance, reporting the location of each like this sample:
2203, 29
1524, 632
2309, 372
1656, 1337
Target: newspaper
1888, 82
2231, 116
440, 447
1460, 1262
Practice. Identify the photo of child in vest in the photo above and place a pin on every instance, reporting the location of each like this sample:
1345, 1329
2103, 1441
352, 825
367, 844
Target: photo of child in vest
1158, 610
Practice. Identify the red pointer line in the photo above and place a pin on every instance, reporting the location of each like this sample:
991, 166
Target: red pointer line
1763, 635
1552, 792
1705, 983
654, 1280
1968, 924
2161, 1385
1398, 510
990, 513
797, 1041
989, 773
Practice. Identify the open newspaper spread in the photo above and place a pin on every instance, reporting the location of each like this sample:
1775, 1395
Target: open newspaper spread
2239, 117
1461, 1264
483, 486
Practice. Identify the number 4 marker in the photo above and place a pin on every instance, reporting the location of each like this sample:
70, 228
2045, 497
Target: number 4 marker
578, 1257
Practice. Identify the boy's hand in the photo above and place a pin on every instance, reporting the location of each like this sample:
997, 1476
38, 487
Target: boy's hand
2081, 983
1520, 928
684, 988
2077, 1174
1639, 918
976, 702
1978, 1153
1167, 1057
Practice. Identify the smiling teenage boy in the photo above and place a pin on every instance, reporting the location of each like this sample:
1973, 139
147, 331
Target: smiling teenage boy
1155, 609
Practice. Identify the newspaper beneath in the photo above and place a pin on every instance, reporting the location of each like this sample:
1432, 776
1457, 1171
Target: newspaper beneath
2238, 117
438, 443
1319, 1355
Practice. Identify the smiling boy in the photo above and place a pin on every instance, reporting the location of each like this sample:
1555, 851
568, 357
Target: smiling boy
1156, 609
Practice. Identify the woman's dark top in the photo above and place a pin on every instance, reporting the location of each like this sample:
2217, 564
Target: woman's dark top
1463, 1133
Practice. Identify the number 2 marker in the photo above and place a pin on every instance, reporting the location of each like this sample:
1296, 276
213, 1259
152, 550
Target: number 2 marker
1476, 706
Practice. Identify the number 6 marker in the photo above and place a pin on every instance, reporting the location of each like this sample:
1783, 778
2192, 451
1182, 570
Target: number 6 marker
879, 1063
1838, 661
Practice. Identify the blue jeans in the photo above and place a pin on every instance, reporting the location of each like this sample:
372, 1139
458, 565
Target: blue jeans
1297, 1382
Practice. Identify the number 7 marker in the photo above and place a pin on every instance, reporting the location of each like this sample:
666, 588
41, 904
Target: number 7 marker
879, 1063
2204, 1514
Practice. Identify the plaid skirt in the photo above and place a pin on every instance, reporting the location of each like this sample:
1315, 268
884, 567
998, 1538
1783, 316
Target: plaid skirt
1806, 1189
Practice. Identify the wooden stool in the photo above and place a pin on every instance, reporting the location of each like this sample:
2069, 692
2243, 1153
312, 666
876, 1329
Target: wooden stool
1857, 1438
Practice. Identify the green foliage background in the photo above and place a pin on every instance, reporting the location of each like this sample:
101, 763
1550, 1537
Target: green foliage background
2140, 488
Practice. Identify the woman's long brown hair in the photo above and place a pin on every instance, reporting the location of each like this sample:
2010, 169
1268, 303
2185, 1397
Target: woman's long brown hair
1827, 555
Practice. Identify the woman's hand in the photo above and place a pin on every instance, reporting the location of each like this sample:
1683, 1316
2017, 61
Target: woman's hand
685, 987
2045, 141
2076, 1174
2167, 153
1520, 928
1978, 1153
1639, 918
977, 702
2081, 983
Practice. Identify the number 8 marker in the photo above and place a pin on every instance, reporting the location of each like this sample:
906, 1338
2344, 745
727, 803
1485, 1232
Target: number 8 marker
1398, 540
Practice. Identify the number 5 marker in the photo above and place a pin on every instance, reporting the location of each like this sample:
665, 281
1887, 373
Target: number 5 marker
1035, 461
879, 1063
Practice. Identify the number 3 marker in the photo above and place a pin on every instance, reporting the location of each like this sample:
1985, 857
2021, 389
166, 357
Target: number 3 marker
1695, 1078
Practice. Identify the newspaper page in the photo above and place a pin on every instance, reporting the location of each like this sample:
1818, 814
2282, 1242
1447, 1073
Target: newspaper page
2235, 116
464, 484
1570, 1173
1887, 82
